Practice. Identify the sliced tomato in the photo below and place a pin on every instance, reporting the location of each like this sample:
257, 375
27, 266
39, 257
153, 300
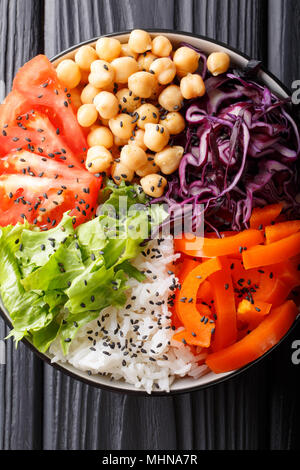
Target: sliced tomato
32, 164
35, 133
41, 190
37, 81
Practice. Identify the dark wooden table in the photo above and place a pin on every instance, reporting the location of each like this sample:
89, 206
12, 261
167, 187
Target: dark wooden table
41, 408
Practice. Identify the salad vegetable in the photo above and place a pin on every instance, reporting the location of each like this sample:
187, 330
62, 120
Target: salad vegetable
241, 148
241, 292
254, 345
87, 149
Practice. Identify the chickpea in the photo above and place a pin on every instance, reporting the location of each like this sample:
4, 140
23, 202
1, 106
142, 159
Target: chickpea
127, 52
122, 126
161, 46
87, 115
102, 74
171, 98
156, 137
138, 139
192, 86
169, 158
104, 122
85, 56
127, 100
139, 41
145, 60
147, 113
156, 91
149, 168
76, 97
142, 84
100, 135
186, 60
108, 48
120, 142
120, 173
69, 73
174, 122
98, 159
133, 157
88, 94
106, 104
164, 70
153, 185
218, 62
112, 87
124, 67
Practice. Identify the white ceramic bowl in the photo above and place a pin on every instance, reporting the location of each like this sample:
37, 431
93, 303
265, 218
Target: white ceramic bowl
186, 384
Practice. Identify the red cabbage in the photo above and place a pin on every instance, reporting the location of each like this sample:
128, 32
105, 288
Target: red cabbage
241, 151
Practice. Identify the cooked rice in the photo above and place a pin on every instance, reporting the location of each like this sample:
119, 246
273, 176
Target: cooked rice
135, 343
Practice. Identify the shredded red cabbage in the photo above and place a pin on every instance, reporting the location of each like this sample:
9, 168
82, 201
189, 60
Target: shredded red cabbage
241, 151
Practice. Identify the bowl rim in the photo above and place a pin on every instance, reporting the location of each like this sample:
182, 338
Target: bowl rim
142, 393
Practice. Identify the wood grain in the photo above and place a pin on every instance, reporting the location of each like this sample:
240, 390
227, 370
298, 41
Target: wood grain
283, 40
21, 377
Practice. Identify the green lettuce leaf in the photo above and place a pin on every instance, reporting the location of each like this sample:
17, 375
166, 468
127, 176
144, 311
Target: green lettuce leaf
61, 268
54, 282
27, 310
38, 246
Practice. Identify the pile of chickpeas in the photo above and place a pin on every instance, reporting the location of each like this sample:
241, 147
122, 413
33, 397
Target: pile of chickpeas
128, 98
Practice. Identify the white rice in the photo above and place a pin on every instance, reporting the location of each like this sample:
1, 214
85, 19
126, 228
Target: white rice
135, 343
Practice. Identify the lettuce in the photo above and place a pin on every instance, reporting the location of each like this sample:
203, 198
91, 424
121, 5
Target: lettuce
54, 282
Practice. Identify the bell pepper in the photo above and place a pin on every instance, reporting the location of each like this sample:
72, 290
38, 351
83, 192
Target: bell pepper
262, 216
281, 230
252, 313
205, 293
201, 327
211, 247
264, 255
224, 303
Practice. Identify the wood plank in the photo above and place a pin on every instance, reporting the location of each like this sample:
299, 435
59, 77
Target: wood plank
78, 416
284, 62
21, 377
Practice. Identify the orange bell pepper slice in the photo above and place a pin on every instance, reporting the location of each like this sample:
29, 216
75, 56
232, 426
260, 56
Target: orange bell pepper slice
287, 272
273, 291
201, 328
256, 343
264, 255
199, 247
224, 303
252, 313
186, 337
205, 292
262, 216
242, 278
281, 230
187, 266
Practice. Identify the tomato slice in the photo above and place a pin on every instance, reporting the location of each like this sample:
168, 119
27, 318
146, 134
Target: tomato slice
41, 190
37, 81
35, 133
